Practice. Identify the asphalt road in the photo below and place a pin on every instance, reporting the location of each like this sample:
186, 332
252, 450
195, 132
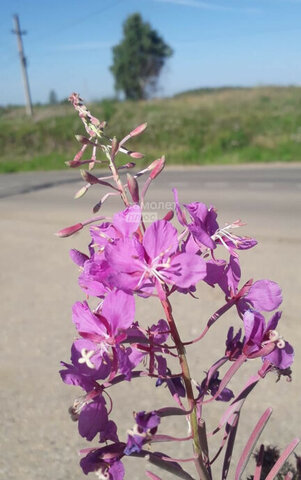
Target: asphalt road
39, 286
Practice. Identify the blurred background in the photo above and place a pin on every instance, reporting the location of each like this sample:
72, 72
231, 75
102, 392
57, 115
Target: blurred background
218, 81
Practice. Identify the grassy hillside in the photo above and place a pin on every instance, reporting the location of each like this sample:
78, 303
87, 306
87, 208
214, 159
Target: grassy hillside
199, 127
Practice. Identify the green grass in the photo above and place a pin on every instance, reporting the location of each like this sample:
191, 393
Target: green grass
200, 127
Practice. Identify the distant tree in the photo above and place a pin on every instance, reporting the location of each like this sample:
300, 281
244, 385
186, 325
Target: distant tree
138, 59
52, 98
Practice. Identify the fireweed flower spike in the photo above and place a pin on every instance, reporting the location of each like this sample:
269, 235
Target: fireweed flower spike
128, 260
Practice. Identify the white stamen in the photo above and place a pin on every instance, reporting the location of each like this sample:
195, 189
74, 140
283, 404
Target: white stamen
102, 475
281, 343
274, 337
85, 357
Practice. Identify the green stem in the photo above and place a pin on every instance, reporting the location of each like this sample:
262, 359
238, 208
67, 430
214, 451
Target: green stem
195, 428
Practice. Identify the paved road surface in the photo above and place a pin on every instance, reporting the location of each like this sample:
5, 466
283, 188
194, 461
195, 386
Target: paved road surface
38, 287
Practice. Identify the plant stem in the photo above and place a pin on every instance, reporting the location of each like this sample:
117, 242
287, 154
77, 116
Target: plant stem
195, 428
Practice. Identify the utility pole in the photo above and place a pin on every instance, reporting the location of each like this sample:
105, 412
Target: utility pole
19, 34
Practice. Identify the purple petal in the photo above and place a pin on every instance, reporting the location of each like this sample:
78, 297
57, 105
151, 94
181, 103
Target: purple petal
197, 210
160, 238
125, 256
109, 432
117, 471
93, 419
119, 309
101, 365
264, 295
94, 277
134, 444
160, 332
161, 365
72, 376
254, 324
128, 221
147, 421
282, 357
85, 321
201, 236
272, 324
186, 270
102, 234
78, 257
103, 459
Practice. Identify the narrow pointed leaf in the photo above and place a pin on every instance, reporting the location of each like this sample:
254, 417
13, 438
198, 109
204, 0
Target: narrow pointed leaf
169, 466
258, 468
282, 459
152, 476
226, 379
247, 451
230, 445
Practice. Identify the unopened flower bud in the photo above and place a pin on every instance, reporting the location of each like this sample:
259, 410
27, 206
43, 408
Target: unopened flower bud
136, 155
88, 177
169, 216
157, 167
133, 187
68, 231
81, 192
115, 147
82, 139
129, 165
138, 130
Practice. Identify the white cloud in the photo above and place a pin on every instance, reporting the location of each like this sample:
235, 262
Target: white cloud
209, 6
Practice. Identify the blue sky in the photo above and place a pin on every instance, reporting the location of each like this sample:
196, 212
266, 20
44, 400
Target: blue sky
216, 42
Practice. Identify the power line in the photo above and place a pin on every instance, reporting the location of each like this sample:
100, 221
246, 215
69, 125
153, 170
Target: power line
78, 21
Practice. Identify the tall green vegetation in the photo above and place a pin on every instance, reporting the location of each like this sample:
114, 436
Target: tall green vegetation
138, 59
205, 127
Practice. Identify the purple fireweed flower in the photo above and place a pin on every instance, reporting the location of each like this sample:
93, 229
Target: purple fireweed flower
212, 387
78, 373
105, 462
90, 412
264, 341
149, 344
263, 295
175, 385
124, 224
94, 279
204, 230
234, 344
140, 265
93, 419
146, 426
104, 331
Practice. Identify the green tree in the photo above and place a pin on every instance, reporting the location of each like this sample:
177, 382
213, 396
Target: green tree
138, 59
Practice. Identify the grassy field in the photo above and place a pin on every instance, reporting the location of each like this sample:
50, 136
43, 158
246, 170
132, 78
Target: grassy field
201, 127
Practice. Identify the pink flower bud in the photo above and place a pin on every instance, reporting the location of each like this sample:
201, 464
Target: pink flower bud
82, 139
115, 147
68, 231
133, 187
157, 167
136, 155
169, 216
130, 165
81, 192
138, 130
88, 177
